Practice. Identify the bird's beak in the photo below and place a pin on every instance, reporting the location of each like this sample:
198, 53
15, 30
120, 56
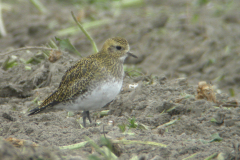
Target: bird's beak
130, 54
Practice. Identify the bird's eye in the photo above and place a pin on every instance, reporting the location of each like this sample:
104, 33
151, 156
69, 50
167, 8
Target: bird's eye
118, 47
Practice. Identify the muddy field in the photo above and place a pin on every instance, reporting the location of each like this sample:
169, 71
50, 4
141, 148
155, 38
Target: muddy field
157, 115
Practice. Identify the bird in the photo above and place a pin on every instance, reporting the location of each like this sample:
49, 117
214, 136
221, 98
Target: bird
92, 82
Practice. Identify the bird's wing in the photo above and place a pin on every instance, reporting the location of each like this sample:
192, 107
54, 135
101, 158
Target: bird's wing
47, 103
77, 79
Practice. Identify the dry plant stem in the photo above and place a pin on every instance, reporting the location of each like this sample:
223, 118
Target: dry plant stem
29, 48
2, 28
86, 33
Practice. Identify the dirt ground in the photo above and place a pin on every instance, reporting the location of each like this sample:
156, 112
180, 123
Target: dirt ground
179, 43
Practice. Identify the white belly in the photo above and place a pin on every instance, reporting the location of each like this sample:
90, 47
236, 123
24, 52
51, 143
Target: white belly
97, 99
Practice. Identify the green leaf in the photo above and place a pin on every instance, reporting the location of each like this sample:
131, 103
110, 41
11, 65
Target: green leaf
142, 126
11, 64
132, 123
108, 154
66, 44
129, 132
220, 156
188, 96
215, 138
128, 3
212, 156
191, 157
39, 6
35, 100
74, 146
132, 71
70, 114
170, 122
211, 61
213, 120
202, 2
28, 68
93, 157
122, 127
231, 91
52, 44
220, 78
104, 113
106, 142
86, 33
195, 17
140, 142
171, 109
135, 158
104, 151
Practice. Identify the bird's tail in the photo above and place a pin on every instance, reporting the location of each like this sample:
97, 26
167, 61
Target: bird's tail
47, 103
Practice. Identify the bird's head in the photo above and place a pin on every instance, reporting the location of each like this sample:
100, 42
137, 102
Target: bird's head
117, 47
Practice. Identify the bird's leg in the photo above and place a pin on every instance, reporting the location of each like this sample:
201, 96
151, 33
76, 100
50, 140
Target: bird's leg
86, 115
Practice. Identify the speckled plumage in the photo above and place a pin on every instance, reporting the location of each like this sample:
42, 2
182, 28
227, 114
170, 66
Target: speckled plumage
82, 79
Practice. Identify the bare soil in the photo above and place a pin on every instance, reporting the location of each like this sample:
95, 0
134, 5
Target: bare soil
179, 43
